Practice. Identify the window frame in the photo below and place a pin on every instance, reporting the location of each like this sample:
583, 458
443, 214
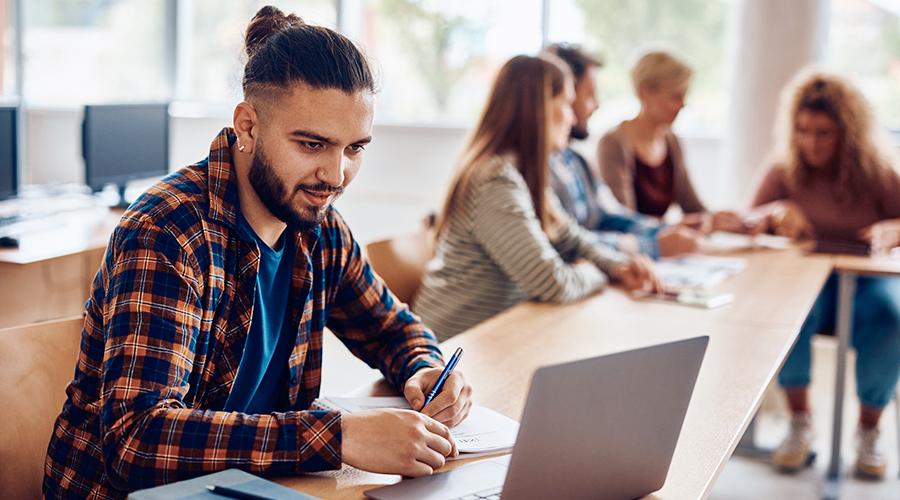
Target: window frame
348, 22
177, 33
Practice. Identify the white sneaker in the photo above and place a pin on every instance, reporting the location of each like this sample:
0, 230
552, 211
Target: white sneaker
794, 452
870, 463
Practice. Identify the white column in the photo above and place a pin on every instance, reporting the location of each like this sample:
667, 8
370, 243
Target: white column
770, 40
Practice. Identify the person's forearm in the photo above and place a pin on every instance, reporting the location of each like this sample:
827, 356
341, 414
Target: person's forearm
649, 243
387, 336
424, 353
700, 221
587, 246
609, 238
167, 443
765, 215
377, 327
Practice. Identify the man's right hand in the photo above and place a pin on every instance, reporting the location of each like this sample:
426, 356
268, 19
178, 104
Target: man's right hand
677, 240
391, 441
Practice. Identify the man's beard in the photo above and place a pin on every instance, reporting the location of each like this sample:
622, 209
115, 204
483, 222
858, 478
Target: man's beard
273, 193
579, 133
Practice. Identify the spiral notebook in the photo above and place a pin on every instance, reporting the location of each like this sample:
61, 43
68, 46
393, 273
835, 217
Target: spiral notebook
484, 432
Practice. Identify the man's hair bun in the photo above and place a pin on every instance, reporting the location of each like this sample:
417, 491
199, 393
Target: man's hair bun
267, 22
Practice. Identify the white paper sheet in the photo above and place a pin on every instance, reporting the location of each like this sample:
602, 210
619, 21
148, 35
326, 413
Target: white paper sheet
484, 431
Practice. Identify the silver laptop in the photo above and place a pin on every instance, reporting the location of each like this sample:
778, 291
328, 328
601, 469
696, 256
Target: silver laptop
604, 427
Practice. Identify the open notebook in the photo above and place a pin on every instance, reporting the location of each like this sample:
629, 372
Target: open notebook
484, 432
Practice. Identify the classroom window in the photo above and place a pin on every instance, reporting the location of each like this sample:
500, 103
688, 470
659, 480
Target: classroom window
870, 27
79, 51
694, 29
435, 60
213, 45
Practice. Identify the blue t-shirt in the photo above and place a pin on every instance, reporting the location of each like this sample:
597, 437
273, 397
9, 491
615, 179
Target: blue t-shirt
261, 373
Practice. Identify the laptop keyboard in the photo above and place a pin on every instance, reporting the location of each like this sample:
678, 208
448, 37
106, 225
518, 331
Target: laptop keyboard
489, 494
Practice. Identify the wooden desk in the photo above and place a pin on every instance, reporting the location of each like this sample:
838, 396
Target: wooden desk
746, 349
866, 266
769, 293
848, 269
49, 275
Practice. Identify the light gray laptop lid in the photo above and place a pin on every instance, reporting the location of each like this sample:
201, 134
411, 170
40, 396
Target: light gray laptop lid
604, 427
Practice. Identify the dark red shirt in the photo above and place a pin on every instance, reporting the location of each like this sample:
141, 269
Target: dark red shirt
654, 186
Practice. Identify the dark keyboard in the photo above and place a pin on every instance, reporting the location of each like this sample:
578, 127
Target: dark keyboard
489, 494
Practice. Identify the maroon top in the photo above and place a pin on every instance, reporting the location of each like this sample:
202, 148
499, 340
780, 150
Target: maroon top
832, 219
654, 186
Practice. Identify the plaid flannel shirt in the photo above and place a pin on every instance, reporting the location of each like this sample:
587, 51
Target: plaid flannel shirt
164, 332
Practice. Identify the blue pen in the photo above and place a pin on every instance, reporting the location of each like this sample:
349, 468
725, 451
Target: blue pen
443, 378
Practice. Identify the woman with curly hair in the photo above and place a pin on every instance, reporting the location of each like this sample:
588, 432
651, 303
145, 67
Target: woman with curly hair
835, 180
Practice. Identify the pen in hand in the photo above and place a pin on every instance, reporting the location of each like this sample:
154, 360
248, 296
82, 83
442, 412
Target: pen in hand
443, 377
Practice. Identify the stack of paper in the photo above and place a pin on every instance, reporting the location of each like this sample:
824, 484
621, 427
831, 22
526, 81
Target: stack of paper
697, 272
722, 242
484, 432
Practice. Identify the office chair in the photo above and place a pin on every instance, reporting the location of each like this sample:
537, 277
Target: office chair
401, 261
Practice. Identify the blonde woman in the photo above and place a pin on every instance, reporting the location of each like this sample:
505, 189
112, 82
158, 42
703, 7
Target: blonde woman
501, 239
641, 159
833, 180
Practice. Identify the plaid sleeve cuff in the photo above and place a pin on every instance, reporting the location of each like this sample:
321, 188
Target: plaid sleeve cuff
417, 363
318, 440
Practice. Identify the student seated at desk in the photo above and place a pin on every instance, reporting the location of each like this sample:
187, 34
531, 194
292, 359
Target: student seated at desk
641, 158
202, 343
833, 179
501, 238
582, 192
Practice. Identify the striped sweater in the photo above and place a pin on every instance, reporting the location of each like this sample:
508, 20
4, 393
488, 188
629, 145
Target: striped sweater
494, 254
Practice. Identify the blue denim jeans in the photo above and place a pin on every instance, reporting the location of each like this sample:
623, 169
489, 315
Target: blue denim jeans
876, 338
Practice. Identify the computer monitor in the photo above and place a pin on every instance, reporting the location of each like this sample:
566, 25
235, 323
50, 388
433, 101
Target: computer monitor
9, 151
123, 142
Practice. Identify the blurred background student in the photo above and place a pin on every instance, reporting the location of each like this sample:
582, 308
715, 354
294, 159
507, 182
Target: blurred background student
581, 190
834, 179
641, 159
501, 237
